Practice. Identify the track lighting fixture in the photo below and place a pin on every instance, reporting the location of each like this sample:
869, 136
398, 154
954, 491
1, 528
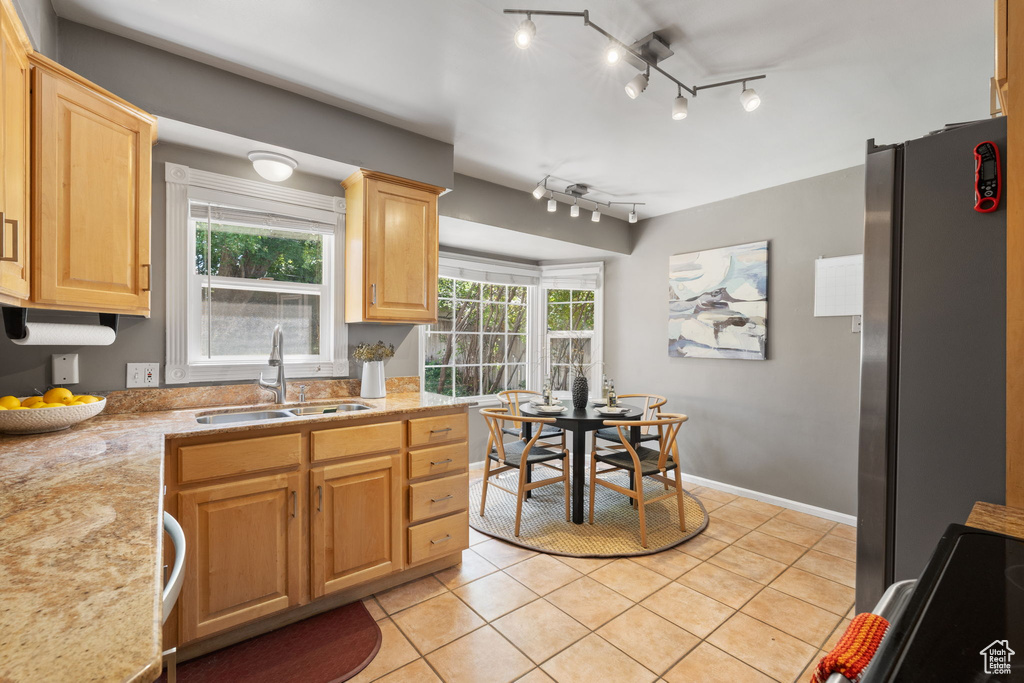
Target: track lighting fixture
637, 84
576, 192
645, 53
541, 189
749, 99
525, 33
679, 107
614, 52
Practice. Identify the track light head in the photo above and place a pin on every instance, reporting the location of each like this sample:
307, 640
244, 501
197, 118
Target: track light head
596, 216
525, 33
632, 215
636, 85
538, 191
613, 54
552, 205
749, 99
574, 210
679, 108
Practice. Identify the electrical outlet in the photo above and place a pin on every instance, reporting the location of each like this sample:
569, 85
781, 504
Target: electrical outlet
856, 324
64, 369
143, 375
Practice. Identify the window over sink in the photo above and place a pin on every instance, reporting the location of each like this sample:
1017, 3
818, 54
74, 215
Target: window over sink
244, 256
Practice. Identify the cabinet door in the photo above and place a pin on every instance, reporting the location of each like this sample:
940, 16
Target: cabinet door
401, 253
242, 553
14, 164
90, 235
357, 515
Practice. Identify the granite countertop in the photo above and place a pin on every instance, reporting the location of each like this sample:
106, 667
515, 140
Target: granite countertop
81, 534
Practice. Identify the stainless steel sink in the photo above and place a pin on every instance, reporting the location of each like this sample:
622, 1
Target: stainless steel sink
254, 416
328, 409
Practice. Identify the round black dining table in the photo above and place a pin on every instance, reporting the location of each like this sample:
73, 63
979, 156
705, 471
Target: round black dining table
579, 422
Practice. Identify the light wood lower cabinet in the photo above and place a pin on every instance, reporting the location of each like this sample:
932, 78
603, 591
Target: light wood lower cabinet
242, 562
356, 533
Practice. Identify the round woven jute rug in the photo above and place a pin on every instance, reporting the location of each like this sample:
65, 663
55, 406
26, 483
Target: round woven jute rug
614, 533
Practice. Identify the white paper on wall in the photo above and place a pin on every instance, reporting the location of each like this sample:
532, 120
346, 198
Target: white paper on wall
839, 285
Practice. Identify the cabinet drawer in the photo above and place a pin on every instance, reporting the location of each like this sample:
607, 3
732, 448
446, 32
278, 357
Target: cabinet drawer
362, 440
438, 538
438, 497
426, 431
428, 461
228, 458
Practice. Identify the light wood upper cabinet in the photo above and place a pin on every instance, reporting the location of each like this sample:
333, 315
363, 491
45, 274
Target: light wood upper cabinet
357, 522
91, 158
390, 249
243, 559
14, 158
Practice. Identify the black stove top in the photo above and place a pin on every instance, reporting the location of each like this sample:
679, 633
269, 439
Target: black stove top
965, 621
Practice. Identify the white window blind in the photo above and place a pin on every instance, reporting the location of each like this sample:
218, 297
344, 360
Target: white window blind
488, 271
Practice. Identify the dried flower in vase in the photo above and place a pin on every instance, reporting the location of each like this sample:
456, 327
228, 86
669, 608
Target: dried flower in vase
368, 353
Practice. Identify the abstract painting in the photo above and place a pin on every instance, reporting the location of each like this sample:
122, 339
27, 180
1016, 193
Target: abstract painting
718, 303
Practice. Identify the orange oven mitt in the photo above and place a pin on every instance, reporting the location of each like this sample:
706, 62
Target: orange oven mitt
855, 649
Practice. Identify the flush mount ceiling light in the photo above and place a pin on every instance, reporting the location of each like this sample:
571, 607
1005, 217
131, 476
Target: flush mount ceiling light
525, 33
644, 54
576, 192
273, 166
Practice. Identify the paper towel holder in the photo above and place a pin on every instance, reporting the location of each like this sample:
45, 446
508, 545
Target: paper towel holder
16, 319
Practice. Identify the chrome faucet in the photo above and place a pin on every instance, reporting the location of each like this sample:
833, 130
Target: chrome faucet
280, 387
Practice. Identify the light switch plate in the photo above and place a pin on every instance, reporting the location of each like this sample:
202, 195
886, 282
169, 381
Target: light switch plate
143, 375
856, 324
64, 369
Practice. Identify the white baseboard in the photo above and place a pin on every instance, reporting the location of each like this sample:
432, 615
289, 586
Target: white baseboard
824, 513
831, 515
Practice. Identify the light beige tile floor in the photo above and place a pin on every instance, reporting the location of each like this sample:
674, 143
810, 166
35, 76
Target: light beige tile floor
759, 597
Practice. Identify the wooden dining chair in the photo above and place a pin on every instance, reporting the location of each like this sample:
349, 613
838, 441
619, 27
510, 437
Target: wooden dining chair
551, 436
513, 455
652, 404
642, 462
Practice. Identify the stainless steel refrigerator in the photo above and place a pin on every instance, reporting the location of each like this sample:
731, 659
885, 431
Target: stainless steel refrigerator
932, 415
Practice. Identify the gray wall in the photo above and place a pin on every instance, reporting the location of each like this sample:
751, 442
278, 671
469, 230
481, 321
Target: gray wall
179, 88
40, 22
24, 369
786, 426
483, 202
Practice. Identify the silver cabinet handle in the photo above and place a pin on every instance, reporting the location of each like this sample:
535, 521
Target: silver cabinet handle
320, 498
373, 294
438, 500
441, 462
441, 540
440, 431
295, 503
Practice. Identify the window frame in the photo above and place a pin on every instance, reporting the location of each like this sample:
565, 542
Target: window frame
580, 277
184, 361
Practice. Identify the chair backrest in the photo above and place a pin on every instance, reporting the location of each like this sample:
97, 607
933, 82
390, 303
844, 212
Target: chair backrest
496, 417
667, 424
652, 404
514, 397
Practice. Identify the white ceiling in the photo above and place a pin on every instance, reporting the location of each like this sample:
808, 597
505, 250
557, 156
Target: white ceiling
838, 73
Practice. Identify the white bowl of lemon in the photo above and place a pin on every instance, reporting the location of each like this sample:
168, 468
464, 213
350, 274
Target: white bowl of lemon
55, 410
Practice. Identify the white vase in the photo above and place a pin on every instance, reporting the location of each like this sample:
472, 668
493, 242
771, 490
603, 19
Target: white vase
373, 380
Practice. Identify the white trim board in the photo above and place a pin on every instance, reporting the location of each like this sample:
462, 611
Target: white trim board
814, 510
797, 506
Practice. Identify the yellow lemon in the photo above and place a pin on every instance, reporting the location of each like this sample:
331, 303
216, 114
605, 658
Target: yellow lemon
9, 402
56, 395
74, 403
2, 408
89, 399
31, 401
18, 408
38, 404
